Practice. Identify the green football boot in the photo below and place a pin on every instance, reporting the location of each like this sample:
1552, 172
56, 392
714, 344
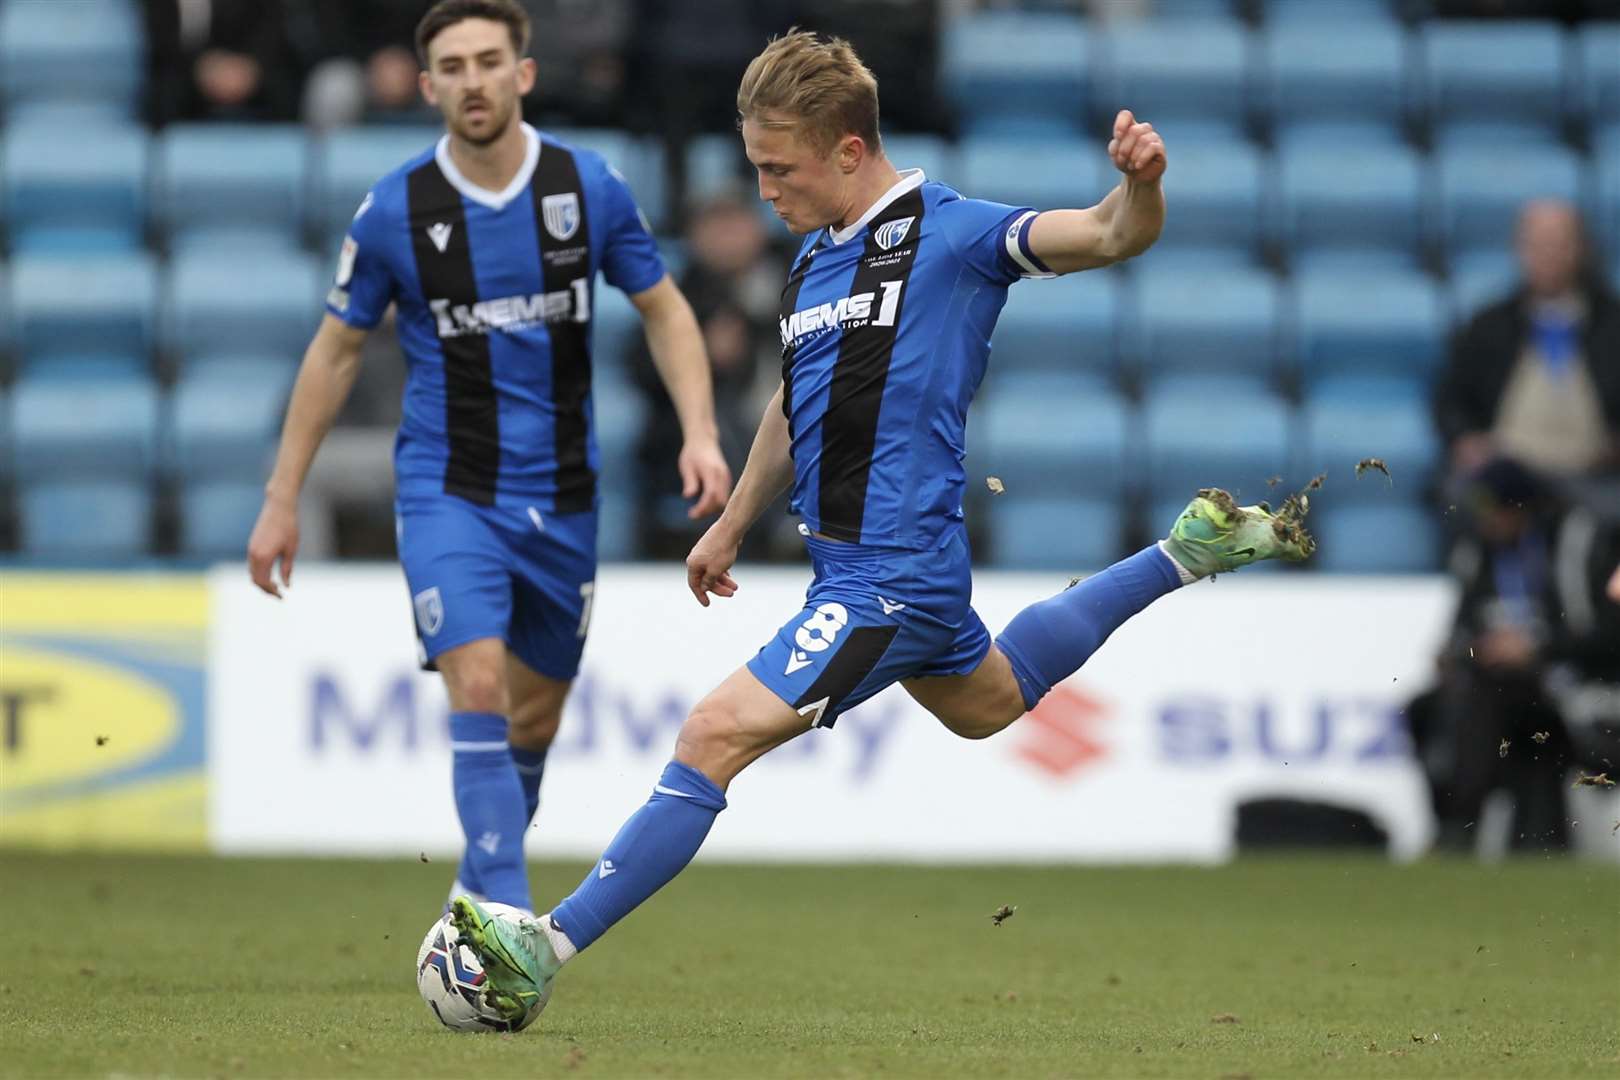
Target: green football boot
1214, 535
517, 958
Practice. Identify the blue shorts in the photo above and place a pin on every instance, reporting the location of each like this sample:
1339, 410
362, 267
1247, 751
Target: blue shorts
491, 571
872, 617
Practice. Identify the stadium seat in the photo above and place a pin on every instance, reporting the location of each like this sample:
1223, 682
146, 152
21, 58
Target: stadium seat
1065, 433
930, 153
1054, 532
1071, 173
101, 427
1397, 537
1480, 279
1344, 425
1494, 72
620, 413
8, 332
226, 417
212, 176
1598, 46
1196, 322
1606, 167
639, 161
1197, 435
1482, 188
350, 162
1012, 72
84, 192
1374, 323
224, 306
1216, 188
83, 307
99, 519
1350, 198
615, 328
1355, 71
1064, 324
617, 527
89, 51
1280, 12
1173, 71
216, 519
715, 165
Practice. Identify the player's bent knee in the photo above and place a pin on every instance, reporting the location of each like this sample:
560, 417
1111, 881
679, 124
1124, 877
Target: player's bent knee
534, 724
477, 688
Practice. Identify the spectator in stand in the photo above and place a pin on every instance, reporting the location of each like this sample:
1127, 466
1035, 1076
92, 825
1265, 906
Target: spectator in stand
579, 46
365, 68
1536, 375
221, 60
1528, 678
732, 284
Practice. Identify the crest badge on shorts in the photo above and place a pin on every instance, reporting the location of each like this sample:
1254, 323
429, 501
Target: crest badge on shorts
891, 233
429, 611
561, 214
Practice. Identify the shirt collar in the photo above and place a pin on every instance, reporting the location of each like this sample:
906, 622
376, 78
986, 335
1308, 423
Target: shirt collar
495, 200
910, 180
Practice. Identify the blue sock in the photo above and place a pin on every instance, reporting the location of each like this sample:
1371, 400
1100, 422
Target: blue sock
489, 800
531, 766
1047, 642
651, 848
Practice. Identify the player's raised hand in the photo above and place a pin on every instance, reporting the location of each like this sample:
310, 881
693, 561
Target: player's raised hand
1136, 149
275, 537
708, 567
705, 476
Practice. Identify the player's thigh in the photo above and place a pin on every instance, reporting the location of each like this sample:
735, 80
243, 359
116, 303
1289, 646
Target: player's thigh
734, 725
457, 573
475, 676
975, 705
537, 704
553, 589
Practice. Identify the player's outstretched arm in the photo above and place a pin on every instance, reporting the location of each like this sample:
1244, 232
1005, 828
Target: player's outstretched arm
324, 380
676, 344
1128, 219
766, 475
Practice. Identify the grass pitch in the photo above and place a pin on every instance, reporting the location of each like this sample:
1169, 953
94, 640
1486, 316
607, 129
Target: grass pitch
1267, 968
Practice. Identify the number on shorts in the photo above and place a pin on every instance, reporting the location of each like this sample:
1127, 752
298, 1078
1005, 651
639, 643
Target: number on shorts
587, 594
821, 629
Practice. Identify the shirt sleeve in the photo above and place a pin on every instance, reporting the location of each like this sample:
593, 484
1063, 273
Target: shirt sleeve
630, 260
363, 286
993, 239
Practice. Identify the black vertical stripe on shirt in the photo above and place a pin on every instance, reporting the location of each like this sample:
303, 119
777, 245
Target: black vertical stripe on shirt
790, 304
472, 416
849, 428
562, 262
857, 655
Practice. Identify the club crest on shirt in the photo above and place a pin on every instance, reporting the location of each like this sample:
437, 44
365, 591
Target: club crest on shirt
561, 214
891, 233
429, 611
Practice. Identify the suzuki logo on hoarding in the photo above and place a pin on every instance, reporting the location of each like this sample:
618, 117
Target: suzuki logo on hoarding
1196, 730
1060, 737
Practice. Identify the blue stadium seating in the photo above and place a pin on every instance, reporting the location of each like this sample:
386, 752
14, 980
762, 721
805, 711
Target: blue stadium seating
933, 155
1064, 324
211, 176
1066, 433
1071, 173
86, 51
1482, 188
350, 162
1193, 322
84, 192
620, 413
1054, 532
7, 319
1373, 323
615, 327
616, 522
97, 519
83, 307
1350, 71
714, 165
1598, 46
1347, 198
1016, 72
1333, 12
220, 306
1606, 182
6, 468
1494, 72
226, 417
1342, 428
92, 427
1197, 435
1216, 188
1398, 537
1177, 72
639, 161
216, 519
1479, 279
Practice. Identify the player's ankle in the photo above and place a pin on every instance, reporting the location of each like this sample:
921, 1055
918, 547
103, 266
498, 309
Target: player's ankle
561, 946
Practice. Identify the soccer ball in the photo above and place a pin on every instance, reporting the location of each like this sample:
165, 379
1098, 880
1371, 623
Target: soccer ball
451, 979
